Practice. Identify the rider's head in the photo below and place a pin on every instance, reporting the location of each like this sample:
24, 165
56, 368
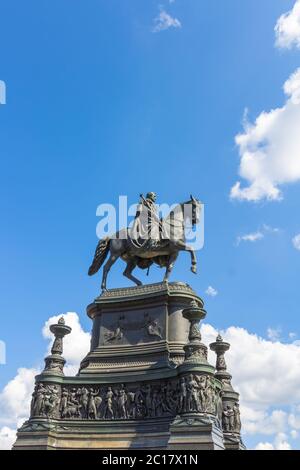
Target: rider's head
151, 196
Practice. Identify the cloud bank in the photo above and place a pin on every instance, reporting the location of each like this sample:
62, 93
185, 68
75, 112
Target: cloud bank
287, 29
270, 149
266, 374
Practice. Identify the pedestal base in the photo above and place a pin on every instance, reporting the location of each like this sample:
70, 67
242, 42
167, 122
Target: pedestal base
102, 435
181, 434
195, 432
135, 386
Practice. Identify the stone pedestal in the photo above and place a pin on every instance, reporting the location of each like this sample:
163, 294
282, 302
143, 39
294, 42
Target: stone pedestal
145, 384
192, 432
138, 329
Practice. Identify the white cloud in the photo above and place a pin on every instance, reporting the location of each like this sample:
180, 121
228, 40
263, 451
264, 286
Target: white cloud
15, 404
270, 149
263, 421
280, 443
76, 344
2, 352
15, 397
294, 434
287, 28
211, 291
258, 235
274, 334
266, 374
250, 237
294, 420
253, 360
296, 242
165, 21
7, 438
269, 229
264, 446
2, 92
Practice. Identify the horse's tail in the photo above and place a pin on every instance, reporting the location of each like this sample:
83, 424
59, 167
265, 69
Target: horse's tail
100, 255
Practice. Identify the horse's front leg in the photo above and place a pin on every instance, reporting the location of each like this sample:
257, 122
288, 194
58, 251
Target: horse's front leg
129, 268
183, 247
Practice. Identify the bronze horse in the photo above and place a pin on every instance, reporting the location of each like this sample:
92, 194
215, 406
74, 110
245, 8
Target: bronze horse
164, 253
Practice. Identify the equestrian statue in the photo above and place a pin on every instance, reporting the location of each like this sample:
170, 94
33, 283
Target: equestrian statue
149, 240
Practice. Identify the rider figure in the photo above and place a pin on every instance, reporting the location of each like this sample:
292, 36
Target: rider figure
147, 226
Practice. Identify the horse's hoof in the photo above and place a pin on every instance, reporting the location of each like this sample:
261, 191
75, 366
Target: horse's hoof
194, 269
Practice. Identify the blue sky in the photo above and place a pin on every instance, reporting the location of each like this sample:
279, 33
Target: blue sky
99, 105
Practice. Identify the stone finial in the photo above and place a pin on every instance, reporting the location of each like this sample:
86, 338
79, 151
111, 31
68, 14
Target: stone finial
59, 330
55, 362
194, 349
231, 421
220, 347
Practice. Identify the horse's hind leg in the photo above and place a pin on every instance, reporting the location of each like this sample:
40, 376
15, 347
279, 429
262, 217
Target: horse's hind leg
128, 270
111, 260
170, 266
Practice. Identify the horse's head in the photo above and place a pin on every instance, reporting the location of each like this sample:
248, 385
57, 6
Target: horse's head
182, 215
195, 210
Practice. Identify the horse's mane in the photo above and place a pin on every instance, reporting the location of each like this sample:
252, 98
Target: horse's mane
169, 219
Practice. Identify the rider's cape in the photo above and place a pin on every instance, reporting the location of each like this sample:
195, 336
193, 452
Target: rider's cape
146, 225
